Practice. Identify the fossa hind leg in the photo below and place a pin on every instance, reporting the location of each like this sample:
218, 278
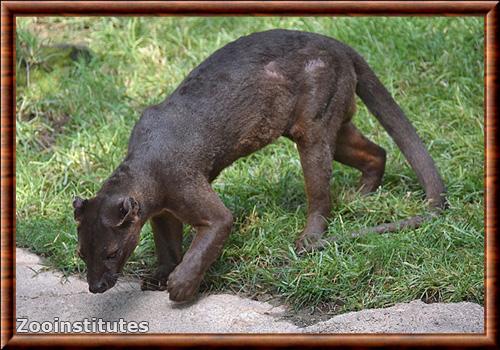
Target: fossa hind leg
316, 161
355, 150
316, 143
348, 146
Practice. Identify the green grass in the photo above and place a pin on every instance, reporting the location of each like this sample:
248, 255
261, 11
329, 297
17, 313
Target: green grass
74, 119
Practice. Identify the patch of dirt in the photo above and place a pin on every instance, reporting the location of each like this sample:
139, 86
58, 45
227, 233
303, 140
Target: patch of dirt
47, 137
48, 30
49, 126
311, 315
51, 121
302, 317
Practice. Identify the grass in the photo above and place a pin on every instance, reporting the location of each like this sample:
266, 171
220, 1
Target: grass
74, 119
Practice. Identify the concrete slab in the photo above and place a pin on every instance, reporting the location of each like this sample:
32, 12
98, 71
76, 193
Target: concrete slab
413, 317
46, 295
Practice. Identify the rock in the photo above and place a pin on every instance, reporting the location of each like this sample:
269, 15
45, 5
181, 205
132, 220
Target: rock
413, 317
43, 295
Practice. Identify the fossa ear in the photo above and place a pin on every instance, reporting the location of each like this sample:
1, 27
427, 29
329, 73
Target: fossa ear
129, 211
79, 207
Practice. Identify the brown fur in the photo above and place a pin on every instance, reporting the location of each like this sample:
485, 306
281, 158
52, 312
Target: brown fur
240, 99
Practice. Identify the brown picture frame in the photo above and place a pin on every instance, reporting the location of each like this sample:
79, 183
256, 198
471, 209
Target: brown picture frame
11, 9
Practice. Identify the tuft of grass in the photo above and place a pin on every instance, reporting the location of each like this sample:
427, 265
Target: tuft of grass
74, 120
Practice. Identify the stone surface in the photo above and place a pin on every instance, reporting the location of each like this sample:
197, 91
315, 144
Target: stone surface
413, 317
43, 294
